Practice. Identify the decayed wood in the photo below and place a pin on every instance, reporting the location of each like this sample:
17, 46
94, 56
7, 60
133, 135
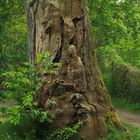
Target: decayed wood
77, 93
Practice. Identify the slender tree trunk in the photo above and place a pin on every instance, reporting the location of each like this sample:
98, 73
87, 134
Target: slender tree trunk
77, 93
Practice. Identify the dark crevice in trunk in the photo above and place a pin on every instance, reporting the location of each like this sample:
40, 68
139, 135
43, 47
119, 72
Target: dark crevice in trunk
71, 41
58, 56
59, 52
32, 2
48, 31
76, 20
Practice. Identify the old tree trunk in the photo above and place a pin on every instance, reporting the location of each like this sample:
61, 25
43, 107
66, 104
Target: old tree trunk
77, 93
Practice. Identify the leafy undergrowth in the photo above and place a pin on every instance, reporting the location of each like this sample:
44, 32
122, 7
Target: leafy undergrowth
26, 131
126, 105
114, 134
25, 120
10, 132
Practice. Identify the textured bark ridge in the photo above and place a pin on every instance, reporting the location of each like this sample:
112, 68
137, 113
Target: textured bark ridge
78, 93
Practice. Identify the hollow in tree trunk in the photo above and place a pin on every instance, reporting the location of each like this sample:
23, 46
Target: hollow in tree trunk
77, 93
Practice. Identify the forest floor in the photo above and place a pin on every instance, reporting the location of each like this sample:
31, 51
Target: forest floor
129, 117
130, 120
126, 116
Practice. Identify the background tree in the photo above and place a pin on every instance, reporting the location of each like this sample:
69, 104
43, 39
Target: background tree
116, 27
13, 33
78, 92
13, 38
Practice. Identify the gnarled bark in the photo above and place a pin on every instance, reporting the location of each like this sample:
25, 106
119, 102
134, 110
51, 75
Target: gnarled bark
78, 93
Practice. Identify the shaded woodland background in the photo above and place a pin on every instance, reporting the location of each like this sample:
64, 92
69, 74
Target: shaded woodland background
116, 34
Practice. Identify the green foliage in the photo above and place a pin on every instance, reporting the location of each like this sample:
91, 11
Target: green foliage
67, 133
45, 65
114, 134
108, 82
125, 51
13, 38
22, 86
126, 104
125, 82
116, 27
26, 131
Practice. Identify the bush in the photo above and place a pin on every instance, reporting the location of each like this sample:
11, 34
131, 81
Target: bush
126, 82
21, 86
114, 134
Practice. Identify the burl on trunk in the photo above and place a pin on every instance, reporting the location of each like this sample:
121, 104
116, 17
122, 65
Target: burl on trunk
77, 93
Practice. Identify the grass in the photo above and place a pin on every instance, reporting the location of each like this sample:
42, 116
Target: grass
126, 105
114, 134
